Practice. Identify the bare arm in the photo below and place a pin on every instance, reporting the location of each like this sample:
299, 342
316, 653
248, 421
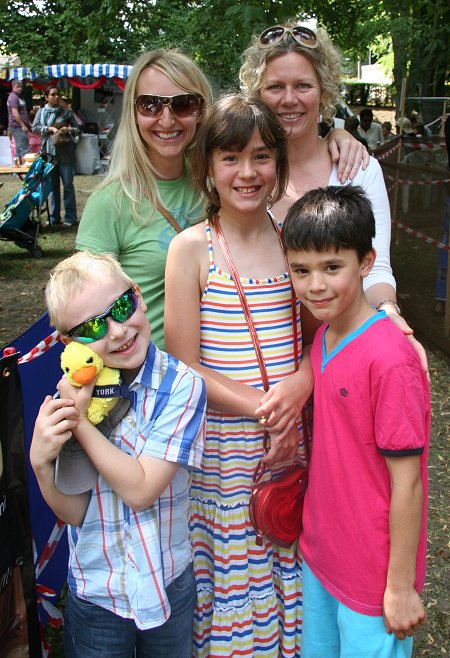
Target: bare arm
348, 152
138, 482
54, 424
186, 254
282, 405
402, 608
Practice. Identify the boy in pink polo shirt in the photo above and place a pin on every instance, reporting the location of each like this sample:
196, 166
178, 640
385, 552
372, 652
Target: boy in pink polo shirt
364, 520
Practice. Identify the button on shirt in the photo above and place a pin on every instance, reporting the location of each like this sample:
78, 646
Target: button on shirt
123, 560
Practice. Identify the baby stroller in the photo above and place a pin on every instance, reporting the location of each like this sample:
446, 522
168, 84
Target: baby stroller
21, 219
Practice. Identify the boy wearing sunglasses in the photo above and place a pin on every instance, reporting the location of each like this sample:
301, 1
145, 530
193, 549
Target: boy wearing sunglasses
130, 580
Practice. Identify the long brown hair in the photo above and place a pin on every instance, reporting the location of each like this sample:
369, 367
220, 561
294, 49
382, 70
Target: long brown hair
230, 123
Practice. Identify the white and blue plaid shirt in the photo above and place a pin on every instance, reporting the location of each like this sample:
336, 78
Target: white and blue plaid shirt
123, 560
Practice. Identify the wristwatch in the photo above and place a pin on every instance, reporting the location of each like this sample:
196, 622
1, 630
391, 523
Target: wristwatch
391, 302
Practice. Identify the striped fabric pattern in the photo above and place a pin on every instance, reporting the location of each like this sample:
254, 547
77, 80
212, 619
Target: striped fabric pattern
249, 596
72, 70
123, 560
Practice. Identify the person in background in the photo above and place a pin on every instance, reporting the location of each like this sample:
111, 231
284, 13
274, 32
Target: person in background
418, 127
351, 126
131, 589
370, 129
18, 121
363, 540
406, 127
386, 127
147, 195
59, 143
34, 139
88, 121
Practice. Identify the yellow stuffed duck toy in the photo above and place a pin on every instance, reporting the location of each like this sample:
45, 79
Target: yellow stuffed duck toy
81, 365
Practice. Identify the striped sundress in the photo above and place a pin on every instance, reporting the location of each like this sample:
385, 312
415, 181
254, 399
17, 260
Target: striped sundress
249, 596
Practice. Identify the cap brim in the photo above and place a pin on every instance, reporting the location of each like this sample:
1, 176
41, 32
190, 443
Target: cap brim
74, 471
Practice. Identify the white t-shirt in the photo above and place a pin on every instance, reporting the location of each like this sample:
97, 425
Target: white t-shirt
372, 182
374, 135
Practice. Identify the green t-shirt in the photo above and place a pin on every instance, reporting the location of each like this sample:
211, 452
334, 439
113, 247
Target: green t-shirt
107, 225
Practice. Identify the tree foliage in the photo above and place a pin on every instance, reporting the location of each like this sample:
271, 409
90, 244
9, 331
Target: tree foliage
215, 32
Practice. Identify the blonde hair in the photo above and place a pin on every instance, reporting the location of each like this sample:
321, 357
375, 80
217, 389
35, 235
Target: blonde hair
130, 165
230, 124
69, 277
325, 60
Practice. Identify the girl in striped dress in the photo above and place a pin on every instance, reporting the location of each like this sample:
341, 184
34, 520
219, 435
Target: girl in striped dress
249, 596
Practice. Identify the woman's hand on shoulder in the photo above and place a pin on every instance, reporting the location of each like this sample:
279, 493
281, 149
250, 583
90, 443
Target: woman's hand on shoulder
406, 329
348, 152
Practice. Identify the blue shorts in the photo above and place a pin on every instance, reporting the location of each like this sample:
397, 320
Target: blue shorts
333, 630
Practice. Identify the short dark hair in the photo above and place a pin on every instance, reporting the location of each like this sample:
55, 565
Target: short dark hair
367, 112
331, 217
351, 123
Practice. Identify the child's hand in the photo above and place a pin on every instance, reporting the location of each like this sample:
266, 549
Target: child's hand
54, 424
282, 405
403, 612
80, 395
284, 449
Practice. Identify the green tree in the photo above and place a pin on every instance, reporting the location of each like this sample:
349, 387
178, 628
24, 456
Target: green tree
215, 32
419, 32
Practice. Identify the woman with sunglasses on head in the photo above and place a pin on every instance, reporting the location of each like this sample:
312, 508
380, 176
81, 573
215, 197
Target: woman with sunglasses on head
295, 71
146, 197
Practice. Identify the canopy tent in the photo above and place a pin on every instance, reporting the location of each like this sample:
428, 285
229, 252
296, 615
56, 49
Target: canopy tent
100, 98
83, 76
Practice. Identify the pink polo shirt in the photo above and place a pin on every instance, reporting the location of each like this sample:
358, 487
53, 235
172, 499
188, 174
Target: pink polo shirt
371, 400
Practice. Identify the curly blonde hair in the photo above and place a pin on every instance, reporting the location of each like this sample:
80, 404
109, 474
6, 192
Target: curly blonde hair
325, 60
130, 165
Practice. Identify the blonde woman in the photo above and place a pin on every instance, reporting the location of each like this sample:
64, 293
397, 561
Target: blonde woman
295, 70
135, 211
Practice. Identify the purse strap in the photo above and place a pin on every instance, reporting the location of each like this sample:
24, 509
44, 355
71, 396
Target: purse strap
170, 218
243, 299
260, 468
